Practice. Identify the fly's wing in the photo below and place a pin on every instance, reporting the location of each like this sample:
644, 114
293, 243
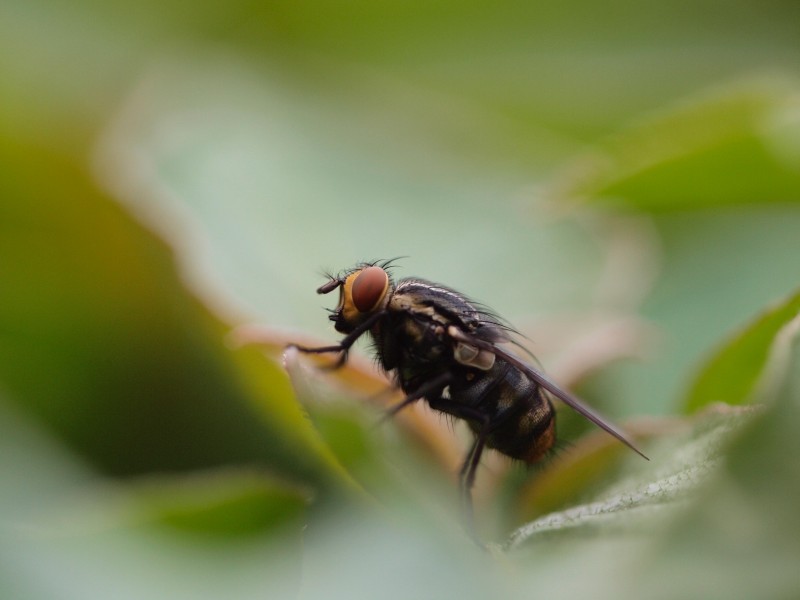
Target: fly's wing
548, 384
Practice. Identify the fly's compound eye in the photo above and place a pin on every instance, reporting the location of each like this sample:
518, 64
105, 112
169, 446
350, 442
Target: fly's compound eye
369, 288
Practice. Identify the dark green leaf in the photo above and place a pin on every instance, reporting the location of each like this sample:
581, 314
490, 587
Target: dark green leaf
101, 340
736, 371
735, 145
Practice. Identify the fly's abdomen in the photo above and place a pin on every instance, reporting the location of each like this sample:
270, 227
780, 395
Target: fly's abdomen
522, 420
530, 433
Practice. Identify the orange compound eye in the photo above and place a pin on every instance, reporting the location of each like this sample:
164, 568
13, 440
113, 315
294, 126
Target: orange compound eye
369, 287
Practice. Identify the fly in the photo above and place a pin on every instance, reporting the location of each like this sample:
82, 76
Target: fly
442, 348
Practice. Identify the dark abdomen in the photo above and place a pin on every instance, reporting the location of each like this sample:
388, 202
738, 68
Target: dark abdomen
521, 419
530, 434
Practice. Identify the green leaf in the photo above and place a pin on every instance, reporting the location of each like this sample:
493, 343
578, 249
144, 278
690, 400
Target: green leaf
66, 532
734, 145
226, 504
741, 367
742, 537
211, 535
103, 341
723, 522
646, 493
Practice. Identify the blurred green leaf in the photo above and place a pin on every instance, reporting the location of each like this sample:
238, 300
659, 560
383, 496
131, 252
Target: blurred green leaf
742, 537
722, 523
66, 532
645, 493
738, 369
591, 461
523, 80
225, 505
215, 534
101, 340
735, 145
35, 471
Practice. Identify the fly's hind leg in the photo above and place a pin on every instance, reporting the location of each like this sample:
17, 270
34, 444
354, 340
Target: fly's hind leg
473, 458
467, 476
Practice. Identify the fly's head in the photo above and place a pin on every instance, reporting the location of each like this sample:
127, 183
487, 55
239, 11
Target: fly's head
363, 291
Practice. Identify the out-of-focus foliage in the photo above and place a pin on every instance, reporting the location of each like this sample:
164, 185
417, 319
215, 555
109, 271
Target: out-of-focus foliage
755, 358
619, 180
105, 346
735, 145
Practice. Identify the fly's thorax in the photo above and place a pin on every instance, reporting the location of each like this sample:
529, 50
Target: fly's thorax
421, 325
408, 301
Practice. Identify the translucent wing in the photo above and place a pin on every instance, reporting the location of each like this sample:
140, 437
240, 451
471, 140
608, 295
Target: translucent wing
548, 384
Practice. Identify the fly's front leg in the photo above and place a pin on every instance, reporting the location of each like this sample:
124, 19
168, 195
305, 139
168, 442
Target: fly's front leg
344, 345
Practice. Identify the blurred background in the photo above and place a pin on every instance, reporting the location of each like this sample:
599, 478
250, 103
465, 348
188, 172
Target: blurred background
619, 180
